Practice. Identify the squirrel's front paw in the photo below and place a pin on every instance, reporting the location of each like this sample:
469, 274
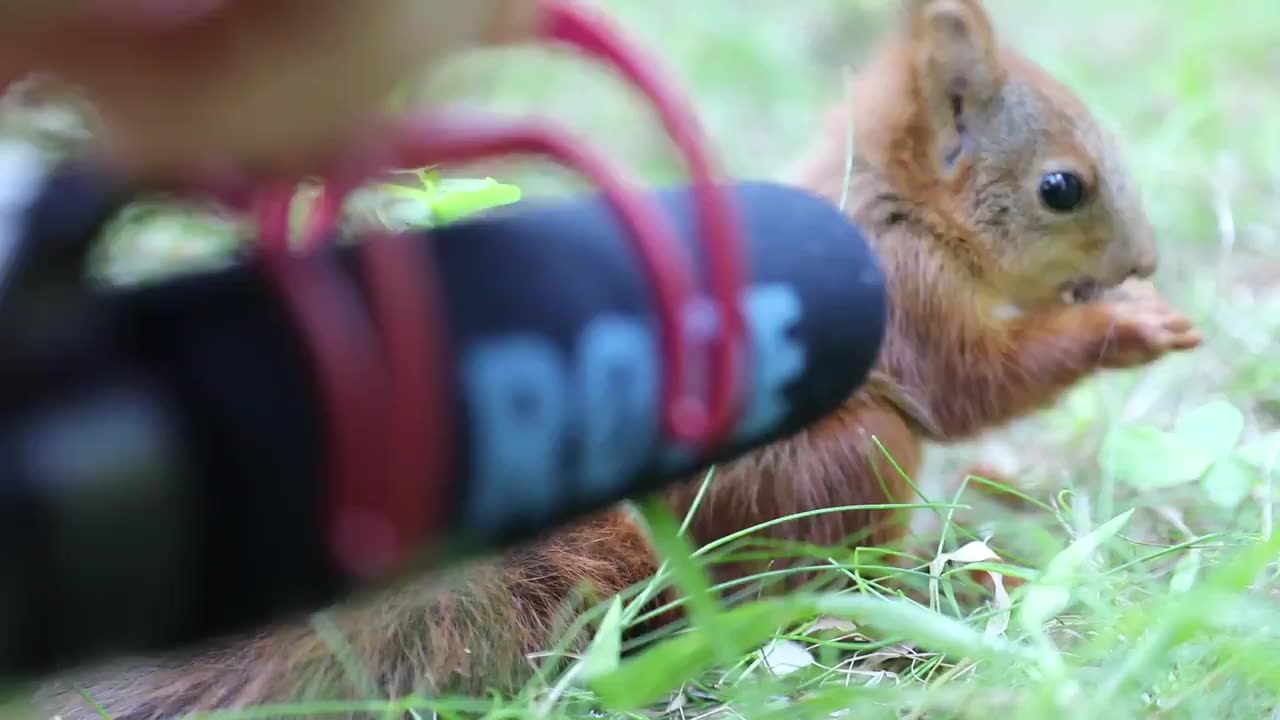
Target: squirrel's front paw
1143, 328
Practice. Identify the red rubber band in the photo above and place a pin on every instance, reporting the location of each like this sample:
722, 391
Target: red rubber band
387, 401
431, 141
689, 417
344, 349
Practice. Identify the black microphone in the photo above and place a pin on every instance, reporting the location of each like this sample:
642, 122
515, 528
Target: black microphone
165, 483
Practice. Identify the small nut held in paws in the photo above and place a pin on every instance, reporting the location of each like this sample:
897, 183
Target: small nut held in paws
1132, 289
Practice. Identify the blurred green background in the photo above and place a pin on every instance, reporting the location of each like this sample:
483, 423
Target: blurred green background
1190, 86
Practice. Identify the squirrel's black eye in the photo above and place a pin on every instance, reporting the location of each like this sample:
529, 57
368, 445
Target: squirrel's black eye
1062, 191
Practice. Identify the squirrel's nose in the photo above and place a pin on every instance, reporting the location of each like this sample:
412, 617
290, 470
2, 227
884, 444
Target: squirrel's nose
1145, 267
1142, 251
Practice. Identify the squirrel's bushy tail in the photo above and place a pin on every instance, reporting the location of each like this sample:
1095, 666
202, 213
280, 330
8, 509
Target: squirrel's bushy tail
431, 636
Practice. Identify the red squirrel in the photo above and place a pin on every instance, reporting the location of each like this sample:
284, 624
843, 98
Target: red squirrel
1001, 213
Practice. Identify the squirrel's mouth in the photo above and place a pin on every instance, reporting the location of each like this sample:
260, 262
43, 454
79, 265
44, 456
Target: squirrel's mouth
1082, 290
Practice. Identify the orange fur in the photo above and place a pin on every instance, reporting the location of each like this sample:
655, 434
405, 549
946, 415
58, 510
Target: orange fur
951, 133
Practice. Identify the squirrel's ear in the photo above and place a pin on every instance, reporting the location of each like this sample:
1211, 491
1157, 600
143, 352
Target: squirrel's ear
957, 67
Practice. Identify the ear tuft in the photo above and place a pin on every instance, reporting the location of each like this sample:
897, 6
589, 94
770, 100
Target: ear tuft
956, 45
957, 65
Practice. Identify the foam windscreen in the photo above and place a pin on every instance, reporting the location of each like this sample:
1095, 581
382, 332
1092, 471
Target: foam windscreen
178, 490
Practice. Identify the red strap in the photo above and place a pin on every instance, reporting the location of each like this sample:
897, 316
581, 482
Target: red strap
348, 364
689, 417
384, 376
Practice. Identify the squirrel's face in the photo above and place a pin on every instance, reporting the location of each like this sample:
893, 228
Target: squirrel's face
1046, 191
1026, 185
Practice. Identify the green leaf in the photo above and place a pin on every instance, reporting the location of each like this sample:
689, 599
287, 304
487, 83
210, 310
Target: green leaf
605, 652
1215, 427
1263, 452
1052, 592
1063, 567
1040, 603
1147, 457
441, 201
455, 199
1228, 482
